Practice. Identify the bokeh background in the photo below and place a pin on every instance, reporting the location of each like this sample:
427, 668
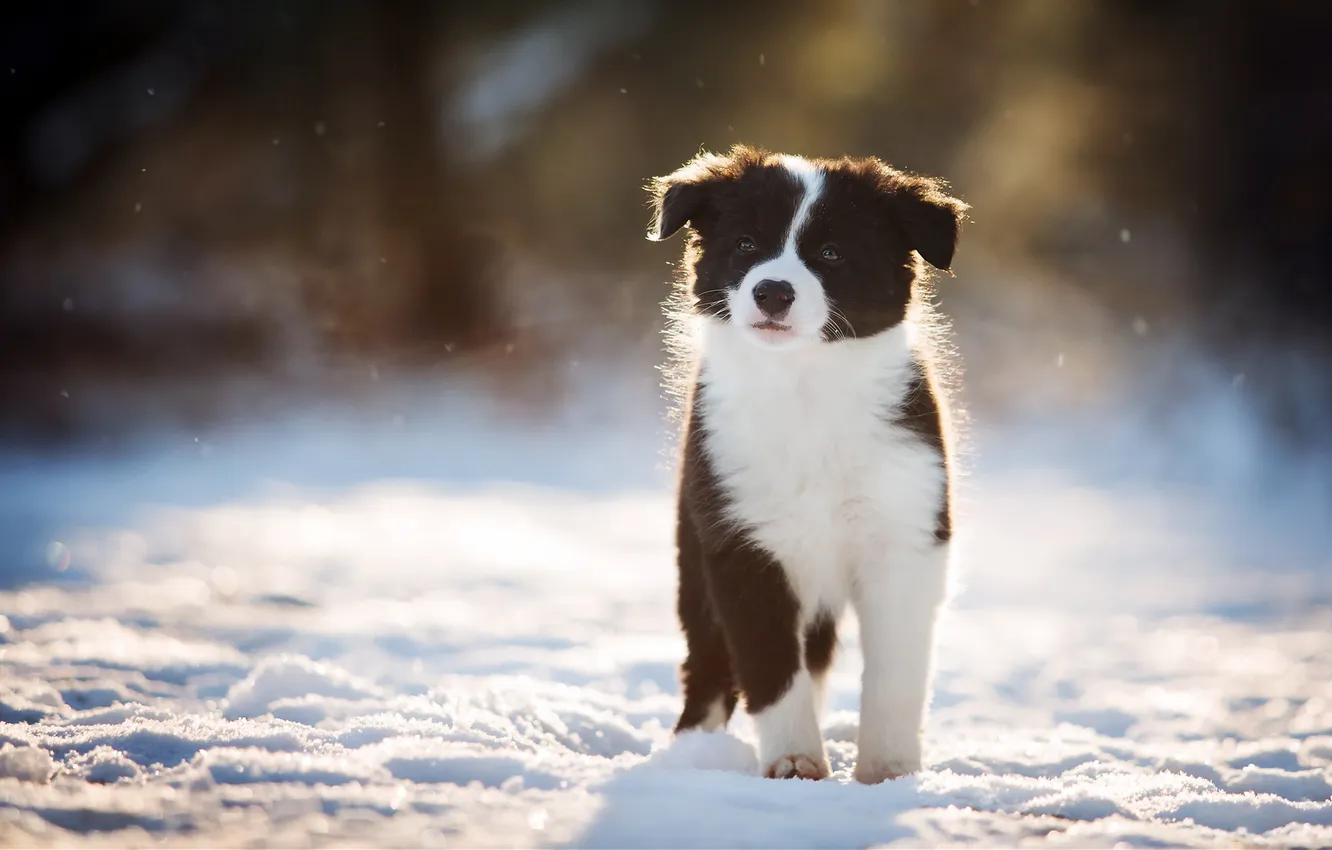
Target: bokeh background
321, 241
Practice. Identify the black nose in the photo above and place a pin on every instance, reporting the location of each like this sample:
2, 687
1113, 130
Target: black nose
774, 297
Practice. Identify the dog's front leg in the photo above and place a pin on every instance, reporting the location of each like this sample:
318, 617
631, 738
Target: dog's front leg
897, 602
761, 619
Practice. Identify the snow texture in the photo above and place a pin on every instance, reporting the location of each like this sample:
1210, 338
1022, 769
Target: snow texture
418, 664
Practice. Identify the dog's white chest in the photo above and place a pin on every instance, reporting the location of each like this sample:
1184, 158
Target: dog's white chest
817, 472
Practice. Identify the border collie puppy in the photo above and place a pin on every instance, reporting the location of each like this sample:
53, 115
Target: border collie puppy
815, 470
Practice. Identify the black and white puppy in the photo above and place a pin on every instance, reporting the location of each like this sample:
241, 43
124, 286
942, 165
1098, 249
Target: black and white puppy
815, 467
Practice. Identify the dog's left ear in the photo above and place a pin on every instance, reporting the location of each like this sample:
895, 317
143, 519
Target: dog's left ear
930, 218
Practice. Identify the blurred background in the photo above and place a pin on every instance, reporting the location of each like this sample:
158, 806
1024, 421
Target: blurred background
322, 241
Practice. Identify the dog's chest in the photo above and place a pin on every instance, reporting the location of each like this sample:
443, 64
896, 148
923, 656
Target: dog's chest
815, 467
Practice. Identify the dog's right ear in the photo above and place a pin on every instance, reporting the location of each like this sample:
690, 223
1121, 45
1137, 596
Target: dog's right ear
687, 195
677, 203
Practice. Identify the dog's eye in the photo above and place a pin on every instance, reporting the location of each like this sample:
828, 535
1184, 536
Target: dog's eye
830, 254
746, 245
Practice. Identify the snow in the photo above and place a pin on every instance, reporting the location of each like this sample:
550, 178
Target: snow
26, 764
445, 660
293, 682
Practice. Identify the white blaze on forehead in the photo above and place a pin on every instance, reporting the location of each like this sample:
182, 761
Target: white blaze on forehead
809, 311
811, 179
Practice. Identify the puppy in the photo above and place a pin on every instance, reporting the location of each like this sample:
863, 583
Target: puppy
815, 469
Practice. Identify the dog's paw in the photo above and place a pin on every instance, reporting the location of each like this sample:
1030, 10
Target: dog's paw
797, 767
873, 771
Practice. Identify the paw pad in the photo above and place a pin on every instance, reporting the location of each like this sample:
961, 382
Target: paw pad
797, 767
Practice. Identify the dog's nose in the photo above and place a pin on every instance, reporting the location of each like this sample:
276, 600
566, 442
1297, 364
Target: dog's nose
774, 298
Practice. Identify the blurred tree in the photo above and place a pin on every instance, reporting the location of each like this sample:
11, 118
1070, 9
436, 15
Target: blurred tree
190, 191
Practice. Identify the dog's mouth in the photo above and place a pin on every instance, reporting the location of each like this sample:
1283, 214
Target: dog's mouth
770, 325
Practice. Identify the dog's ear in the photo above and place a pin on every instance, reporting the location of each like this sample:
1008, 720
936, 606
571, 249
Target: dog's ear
677, 201
929, 217
687, 196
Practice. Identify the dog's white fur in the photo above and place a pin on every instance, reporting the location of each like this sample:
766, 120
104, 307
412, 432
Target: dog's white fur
809, 312
801, 435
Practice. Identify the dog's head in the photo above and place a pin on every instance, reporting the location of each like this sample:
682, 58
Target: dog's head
792, 251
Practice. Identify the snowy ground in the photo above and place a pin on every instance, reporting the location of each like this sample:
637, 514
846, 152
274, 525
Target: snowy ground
453, 661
